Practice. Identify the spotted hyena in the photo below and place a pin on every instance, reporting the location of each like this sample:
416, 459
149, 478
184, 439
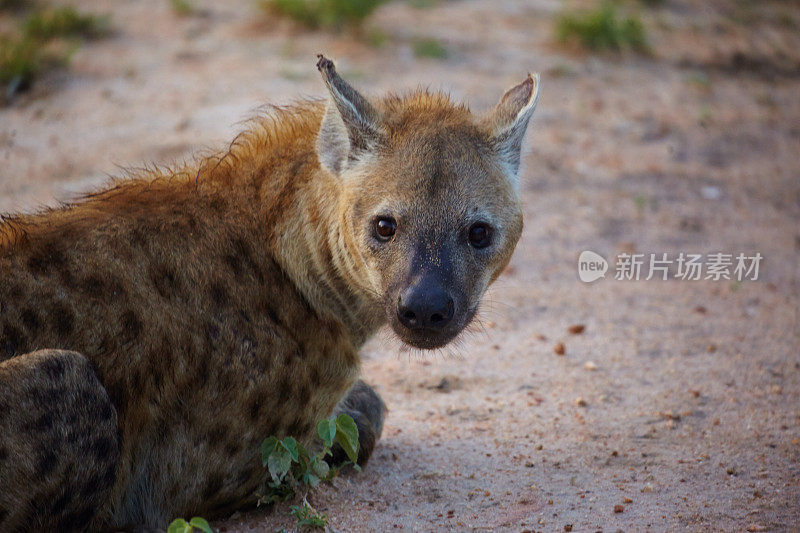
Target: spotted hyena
154, 332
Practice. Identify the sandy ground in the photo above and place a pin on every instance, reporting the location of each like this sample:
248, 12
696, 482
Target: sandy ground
689, 409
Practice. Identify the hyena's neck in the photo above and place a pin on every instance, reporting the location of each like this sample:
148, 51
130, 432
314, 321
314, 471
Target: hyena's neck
312, 246
299, 204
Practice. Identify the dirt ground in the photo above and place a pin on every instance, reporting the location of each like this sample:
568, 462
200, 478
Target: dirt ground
677, 408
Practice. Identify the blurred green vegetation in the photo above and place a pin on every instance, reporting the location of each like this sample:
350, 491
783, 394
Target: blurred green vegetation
182, 7
329, 14
44, 38
602, 29
52, 23
429, 48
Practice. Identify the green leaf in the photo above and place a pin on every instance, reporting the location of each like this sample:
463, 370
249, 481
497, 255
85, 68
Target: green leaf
267, 447
320, 467
347, 436
310, 479
290, 445
326, 429
302, 454
179, 525
279, 463
201, 524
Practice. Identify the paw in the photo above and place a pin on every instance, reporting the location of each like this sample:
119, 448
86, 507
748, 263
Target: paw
368, 411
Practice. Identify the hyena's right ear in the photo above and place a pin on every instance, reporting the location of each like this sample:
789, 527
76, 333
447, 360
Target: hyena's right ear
350, 127
508, 122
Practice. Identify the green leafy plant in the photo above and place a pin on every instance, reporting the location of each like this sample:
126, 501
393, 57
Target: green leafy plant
430, 48
602, 29
65, 22
182, 7
332, 14
179, 525
44, 38
308, 516
290, 465
19, 59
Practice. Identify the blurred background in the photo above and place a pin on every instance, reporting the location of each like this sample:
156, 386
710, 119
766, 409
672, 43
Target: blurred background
664, 126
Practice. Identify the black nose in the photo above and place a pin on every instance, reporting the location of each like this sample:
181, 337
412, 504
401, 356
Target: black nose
425, 307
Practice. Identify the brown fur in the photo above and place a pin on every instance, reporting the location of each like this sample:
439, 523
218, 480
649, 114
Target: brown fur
210, 306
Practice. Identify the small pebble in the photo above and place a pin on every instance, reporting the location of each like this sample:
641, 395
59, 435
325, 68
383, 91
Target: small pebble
560, 349
619, 509
580, 402
576, 329
589, 365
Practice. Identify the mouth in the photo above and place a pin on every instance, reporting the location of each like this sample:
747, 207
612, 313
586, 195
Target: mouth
431, 339
424, 339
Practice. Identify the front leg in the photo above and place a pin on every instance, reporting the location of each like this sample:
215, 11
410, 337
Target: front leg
368, 411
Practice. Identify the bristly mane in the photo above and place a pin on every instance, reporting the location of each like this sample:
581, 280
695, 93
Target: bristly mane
263, 142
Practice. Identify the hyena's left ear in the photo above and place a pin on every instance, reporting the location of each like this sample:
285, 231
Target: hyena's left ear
509, 120
350, 127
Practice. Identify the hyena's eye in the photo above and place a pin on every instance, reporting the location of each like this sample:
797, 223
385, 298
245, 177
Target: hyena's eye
480, 235
385, 228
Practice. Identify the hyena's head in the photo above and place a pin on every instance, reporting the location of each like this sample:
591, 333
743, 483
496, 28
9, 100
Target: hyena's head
431, 210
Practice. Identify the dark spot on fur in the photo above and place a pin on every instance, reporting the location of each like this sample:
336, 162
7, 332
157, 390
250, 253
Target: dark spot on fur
93, 286
234, 263
117, 393
213, 486
295, 426
217, 433
11, 340
217, 204
73, 437
3, 515
54, 367
136, 380
105, 412
75, 521
303, 393
202, 371
114, 288
48, 398
243, 476
31, 321
62, 501
99, 482
63, 319
43, 424
165, 281
212, 331
284, 391
46, 257
138, 236
315, 377
219, 294
46, 464
109, 476
232, 448
131, 325
88, 400
255, 409
101, 448
3, 454
272, 314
